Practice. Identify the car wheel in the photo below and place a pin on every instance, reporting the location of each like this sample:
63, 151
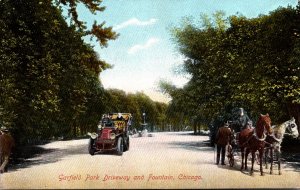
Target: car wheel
91, 147
126, 144
120, 146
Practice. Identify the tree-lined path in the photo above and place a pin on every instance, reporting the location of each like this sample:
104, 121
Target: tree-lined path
166, 160
51, 87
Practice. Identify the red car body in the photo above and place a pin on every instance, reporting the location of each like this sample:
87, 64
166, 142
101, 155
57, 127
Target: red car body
112, 134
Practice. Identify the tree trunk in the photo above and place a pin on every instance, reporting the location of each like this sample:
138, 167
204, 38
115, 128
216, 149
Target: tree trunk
198, 127
74, 130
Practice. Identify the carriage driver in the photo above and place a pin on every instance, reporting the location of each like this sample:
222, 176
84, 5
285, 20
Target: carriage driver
222, 139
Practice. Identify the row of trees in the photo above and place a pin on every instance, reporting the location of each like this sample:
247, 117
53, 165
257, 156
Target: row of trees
49, 77
137, 104
238, 62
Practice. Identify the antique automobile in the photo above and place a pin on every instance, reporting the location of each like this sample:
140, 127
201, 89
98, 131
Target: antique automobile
112, 134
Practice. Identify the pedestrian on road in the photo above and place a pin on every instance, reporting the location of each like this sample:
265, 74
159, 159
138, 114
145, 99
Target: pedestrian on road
222, 139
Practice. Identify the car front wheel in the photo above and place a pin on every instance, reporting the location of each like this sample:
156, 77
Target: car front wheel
91, 147
120, 146
126, 148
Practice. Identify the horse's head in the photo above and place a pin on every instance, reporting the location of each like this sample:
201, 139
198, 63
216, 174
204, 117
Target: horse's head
264, 124
293, 128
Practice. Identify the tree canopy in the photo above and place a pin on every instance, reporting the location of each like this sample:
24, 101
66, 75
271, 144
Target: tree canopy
103, 34
137, 104
49, 75
239, 62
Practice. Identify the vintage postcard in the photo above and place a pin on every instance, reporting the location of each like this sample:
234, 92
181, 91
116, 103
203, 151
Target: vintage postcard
149, 94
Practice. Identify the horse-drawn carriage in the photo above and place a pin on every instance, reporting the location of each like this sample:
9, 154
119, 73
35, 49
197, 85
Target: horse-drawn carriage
112, 134
256, 139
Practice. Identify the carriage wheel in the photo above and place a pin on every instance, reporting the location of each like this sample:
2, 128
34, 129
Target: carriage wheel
230, 155
231, 161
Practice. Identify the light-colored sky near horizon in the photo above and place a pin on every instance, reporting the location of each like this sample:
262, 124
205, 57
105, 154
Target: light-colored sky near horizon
144, 53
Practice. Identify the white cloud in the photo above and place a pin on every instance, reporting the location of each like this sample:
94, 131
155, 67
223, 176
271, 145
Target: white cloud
135, 22
139, 47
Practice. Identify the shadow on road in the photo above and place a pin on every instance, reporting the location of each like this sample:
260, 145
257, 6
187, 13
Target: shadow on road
189, 133
292, 160
22, 156
27, 156
285, 167
181, 134
192, 145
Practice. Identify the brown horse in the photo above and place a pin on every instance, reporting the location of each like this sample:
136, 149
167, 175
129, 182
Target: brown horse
254, 140
6, 145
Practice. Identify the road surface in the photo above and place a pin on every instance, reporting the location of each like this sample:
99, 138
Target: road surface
166, 160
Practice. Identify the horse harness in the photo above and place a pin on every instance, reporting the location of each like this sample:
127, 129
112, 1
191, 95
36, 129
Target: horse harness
254, 135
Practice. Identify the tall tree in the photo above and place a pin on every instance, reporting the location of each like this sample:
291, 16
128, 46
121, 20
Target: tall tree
240, 62
51, 79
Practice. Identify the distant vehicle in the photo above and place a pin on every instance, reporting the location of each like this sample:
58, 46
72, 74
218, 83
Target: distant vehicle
112, 134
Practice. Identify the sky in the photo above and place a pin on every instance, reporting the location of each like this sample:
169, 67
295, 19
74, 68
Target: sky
145, 53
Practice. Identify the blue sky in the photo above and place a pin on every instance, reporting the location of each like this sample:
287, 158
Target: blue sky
144, 53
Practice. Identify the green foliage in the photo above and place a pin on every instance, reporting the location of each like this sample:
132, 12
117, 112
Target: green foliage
49, 76
238, 62
137, 104
103, 34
